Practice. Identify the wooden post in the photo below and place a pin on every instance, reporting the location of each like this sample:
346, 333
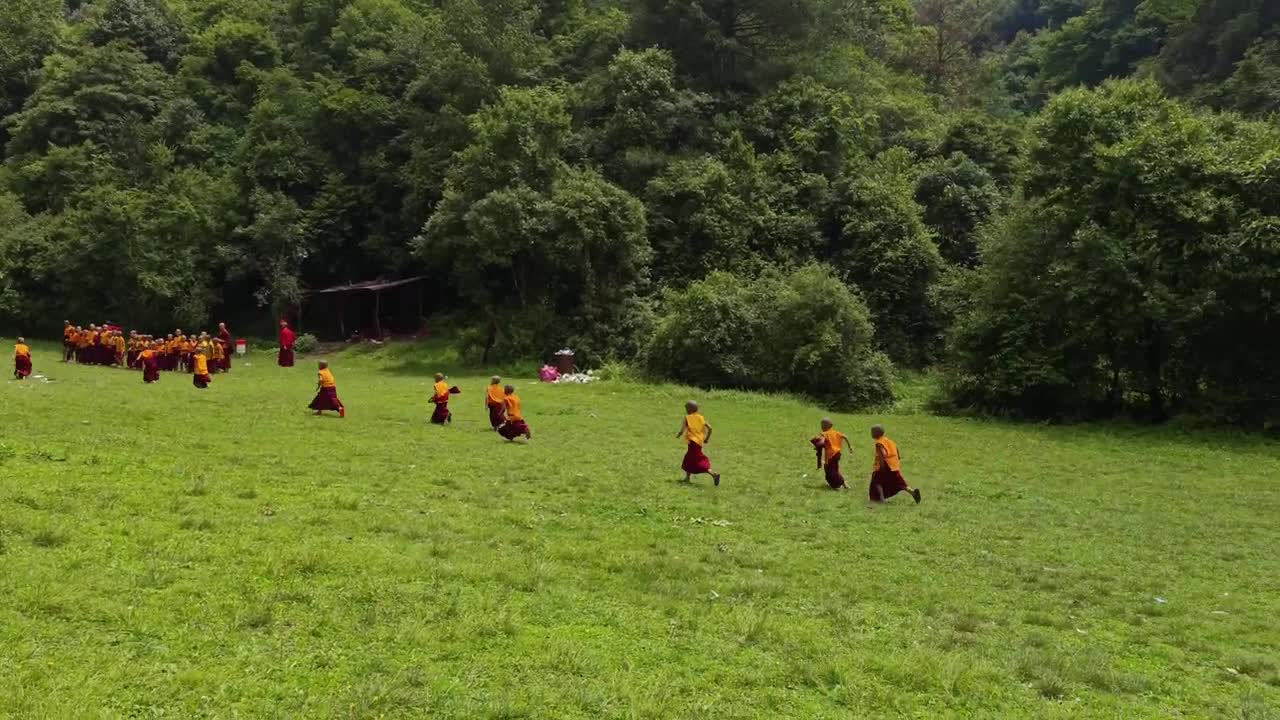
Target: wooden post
377, 313
342, 315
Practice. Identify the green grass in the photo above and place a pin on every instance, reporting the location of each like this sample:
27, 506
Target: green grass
169, 552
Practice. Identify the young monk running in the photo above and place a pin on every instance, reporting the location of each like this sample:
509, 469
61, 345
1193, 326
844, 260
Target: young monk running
21, 360
150, 360
287, 338
495, 401
440, 398
886, 477
327, 392
200, 371
513, 425
831, 443
696, 432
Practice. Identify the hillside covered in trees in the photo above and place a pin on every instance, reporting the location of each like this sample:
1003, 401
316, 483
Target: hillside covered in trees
1070, 207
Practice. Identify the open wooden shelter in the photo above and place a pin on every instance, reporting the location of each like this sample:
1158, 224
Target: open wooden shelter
373, 309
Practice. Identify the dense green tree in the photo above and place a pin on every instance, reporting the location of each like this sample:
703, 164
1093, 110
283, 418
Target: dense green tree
884, 247
1109, 279
957, 197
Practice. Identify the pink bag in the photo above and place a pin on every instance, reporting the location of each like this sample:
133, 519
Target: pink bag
549, 374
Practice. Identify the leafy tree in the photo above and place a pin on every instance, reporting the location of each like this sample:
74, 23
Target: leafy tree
1132, 203
957, 197
520, 228
884, 248
150, 26
29, 31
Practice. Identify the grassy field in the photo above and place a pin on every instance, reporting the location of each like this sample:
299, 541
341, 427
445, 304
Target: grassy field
170, 552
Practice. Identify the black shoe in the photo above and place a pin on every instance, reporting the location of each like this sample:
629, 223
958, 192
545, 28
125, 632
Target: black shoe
915, 493
716, 478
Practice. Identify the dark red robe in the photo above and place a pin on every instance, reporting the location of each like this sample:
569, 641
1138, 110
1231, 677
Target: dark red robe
695, 461
513, 429
889, 481
224, 337
832, 471
287, 338
21, 366
326, 399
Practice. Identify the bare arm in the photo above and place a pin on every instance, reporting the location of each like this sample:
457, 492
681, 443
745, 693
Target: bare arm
881, 460
707, 440
684, 425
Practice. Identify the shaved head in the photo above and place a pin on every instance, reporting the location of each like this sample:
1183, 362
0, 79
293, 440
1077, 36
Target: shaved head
827, 424
877, 431
691, 407
511, 389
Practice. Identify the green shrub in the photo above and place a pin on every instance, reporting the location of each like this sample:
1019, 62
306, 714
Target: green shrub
805, 331
306, 343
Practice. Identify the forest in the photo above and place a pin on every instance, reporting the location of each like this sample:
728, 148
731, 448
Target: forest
1067, 209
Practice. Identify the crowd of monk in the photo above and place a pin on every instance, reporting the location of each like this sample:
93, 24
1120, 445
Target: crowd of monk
198, 355
202, 354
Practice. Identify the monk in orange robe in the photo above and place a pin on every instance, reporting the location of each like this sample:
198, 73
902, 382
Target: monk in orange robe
696, 432
118, 347
327, 392
514, 425
830, 444
218, 356
224, 339
150, 361
68, 341
495, 401
21, 360
440, 398
135, 348
886, 474
84, 343
287, 338
200, 370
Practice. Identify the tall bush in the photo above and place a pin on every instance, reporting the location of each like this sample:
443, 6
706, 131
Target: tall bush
804, 331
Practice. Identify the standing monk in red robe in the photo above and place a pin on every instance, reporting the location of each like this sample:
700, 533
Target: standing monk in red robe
224, 337
440, 398
697, 432
21, 360
285, 358
495, 401
886, 475
327, 393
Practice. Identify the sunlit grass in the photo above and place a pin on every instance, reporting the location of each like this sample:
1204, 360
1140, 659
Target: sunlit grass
165, 551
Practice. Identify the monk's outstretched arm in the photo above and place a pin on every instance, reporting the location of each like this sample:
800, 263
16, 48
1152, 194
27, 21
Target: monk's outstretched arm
707, 440
881, 459
684, 426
